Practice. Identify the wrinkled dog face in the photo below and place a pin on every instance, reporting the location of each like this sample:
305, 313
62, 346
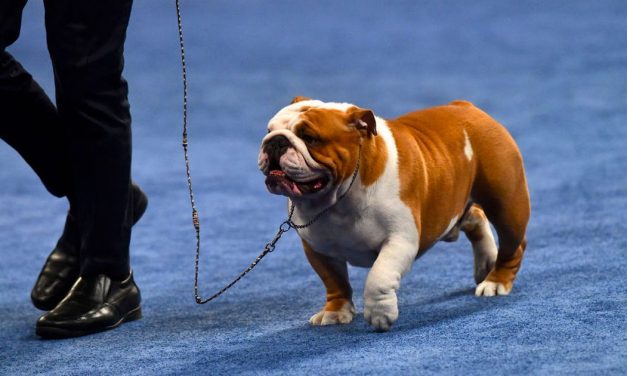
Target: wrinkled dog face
311, 147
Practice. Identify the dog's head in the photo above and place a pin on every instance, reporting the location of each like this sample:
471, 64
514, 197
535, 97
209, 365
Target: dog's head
312, 147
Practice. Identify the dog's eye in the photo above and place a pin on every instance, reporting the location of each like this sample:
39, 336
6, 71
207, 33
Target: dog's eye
269, 131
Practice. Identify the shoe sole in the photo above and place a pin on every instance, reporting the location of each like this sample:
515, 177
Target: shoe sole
49, 332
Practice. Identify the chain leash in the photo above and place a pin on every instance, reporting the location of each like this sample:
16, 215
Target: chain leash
287, 225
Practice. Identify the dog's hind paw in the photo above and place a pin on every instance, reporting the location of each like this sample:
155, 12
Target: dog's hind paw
490, 288
343, 315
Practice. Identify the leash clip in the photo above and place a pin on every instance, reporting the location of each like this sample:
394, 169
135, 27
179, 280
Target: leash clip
285, 226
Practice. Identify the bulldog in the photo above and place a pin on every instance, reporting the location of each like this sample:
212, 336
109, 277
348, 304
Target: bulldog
388, 190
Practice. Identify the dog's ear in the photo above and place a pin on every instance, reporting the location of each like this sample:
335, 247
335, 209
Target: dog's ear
298, 98
363, 120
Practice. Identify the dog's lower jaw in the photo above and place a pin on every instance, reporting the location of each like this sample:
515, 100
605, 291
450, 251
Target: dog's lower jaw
331, 315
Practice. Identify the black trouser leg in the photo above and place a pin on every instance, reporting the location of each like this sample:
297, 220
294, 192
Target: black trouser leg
86, 44
28, 120
10, 21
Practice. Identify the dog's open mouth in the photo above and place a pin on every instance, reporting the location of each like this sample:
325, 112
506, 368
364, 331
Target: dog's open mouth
278, 182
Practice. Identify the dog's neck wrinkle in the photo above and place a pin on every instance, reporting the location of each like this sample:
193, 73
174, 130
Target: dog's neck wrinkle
305, 209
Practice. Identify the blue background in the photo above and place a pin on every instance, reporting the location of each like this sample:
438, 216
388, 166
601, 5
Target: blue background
554, 73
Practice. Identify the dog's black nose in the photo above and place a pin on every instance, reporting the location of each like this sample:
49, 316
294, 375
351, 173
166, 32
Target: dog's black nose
276, 147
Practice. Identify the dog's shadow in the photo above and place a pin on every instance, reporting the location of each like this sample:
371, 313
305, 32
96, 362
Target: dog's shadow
302, 342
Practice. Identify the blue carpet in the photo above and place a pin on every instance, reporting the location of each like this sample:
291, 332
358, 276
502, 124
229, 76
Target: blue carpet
554, 73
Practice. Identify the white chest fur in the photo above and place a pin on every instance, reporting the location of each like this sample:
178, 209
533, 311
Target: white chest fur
357, 227
356, 240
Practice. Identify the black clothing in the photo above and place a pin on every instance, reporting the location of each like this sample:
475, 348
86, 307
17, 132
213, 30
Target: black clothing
94, 304
62, 268
82, 148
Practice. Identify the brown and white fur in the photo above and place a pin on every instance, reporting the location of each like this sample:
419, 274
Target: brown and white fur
423, 177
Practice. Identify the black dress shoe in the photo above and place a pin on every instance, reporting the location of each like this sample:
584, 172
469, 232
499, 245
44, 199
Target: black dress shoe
61, 269
94, 304
58, 273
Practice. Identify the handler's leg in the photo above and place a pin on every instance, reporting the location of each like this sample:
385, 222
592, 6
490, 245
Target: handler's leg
339, 308
28, 120
86, 44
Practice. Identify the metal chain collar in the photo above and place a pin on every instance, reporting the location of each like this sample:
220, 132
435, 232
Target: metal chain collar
283, 228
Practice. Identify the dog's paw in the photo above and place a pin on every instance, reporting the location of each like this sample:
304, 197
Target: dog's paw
381, 312
342, 316
490, 288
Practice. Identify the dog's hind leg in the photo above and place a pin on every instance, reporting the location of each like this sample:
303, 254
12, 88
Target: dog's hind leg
477, 229
339, 308
509, 211
500, 188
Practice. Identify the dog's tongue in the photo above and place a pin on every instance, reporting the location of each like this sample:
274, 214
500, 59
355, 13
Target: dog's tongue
282, 184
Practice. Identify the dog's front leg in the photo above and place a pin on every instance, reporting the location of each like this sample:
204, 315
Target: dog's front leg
394, 260
339, 308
